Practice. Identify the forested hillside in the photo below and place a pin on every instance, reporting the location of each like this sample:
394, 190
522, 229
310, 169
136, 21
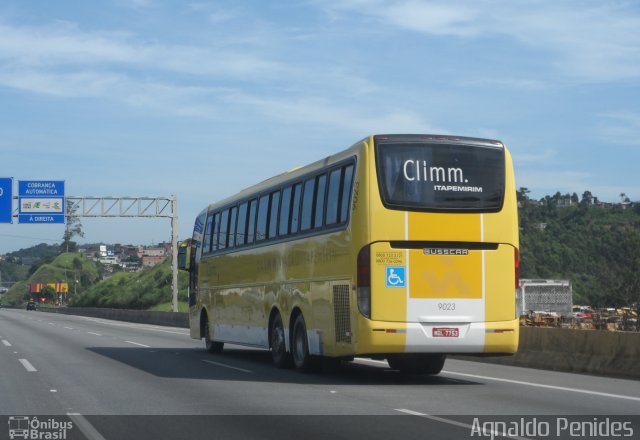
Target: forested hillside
595, 245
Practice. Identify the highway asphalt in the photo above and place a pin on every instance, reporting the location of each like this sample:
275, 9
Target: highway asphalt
122, 380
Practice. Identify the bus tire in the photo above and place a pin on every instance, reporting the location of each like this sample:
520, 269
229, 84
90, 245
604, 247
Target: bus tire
211, 346
417, 363
302, 360
281, 358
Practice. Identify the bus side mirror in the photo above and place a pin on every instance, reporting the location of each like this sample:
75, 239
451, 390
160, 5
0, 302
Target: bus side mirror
184, 256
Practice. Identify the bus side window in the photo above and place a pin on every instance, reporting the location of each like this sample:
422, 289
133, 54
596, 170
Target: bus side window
241, 231
347, 183
285, 211
295, 211
273, 213
232, 227
251, 227
307, 204
224, 229
333, 197
216, 229
321, 186
263, 216
206, 245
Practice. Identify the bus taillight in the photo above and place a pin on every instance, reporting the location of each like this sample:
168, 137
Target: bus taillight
364, 281
517, 266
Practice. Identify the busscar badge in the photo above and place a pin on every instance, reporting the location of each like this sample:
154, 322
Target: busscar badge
440, 251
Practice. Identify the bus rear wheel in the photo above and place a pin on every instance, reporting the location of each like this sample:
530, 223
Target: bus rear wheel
417, 363
279, 354
211, 346
302, 360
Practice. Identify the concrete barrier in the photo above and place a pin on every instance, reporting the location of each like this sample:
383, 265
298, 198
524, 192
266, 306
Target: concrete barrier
170, 319
577, 351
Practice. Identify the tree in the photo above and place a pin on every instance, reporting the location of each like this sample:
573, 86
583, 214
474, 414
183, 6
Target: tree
522, 195
587, 198
574, 199
73, 227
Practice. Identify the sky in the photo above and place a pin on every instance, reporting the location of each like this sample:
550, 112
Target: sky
201, 99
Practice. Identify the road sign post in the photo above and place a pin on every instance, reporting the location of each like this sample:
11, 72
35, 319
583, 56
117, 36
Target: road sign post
6, 200
41, 201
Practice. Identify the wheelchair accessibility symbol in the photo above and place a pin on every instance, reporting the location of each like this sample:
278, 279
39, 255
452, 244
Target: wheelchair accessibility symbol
396, 276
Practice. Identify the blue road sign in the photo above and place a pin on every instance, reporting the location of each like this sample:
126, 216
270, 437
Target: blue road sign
6, 200
41, 201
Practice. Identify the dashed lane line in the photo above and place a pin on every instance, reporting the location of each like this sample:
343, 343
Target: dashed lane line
27, 365
138, 344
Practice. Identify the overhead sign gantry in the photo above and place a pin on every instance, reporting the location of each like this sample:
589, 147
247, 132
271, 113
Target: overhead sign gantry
44, 201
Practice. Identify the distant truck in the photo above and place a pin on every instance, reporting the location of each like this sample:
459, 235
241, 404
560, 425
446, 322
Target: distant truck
550, 296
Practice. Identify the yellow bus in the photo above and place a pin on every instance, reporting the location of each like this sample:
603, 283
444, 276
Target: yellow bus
401, 247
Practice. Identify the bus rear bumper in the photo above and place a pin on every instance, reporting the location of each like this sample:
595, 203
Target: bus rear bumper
415, 337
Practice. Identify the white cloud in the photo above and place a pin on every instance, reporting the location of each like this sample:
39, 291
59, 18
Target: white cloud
321, 111
591, 40
543, 156
63, 45
621, 128
432, 18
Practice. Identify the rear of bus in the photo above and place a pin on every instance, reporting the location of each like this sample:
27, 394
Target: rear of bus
438, 272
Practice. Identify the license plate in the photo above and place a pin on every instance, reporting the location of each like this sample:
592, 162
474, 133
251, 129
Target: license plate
444, 332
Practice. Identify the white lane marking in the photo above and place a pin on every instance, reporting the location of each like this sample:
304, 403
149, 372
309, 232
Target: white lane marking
6, 343
50, 323
531, 384
93, 333
53, 391
27, 365
137, 343
68, 328
226, 366
136, 326
459, 424
539, 385
89, 431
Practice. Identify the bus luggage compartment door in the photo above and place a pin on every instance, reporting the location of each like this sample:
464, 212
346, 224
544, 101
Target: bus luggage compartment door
414, 282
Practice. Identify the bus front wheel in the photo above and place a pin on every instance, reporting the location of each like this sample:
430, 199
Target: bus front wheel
211, 346
417, 363
302, 360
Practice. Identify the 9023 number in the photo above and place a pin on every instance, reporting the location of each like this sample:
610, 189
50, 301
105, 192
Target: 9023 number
446, 306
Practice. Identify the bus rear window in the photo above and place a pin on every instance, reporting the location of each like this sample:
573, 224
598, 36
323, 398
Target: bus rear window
441, 177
